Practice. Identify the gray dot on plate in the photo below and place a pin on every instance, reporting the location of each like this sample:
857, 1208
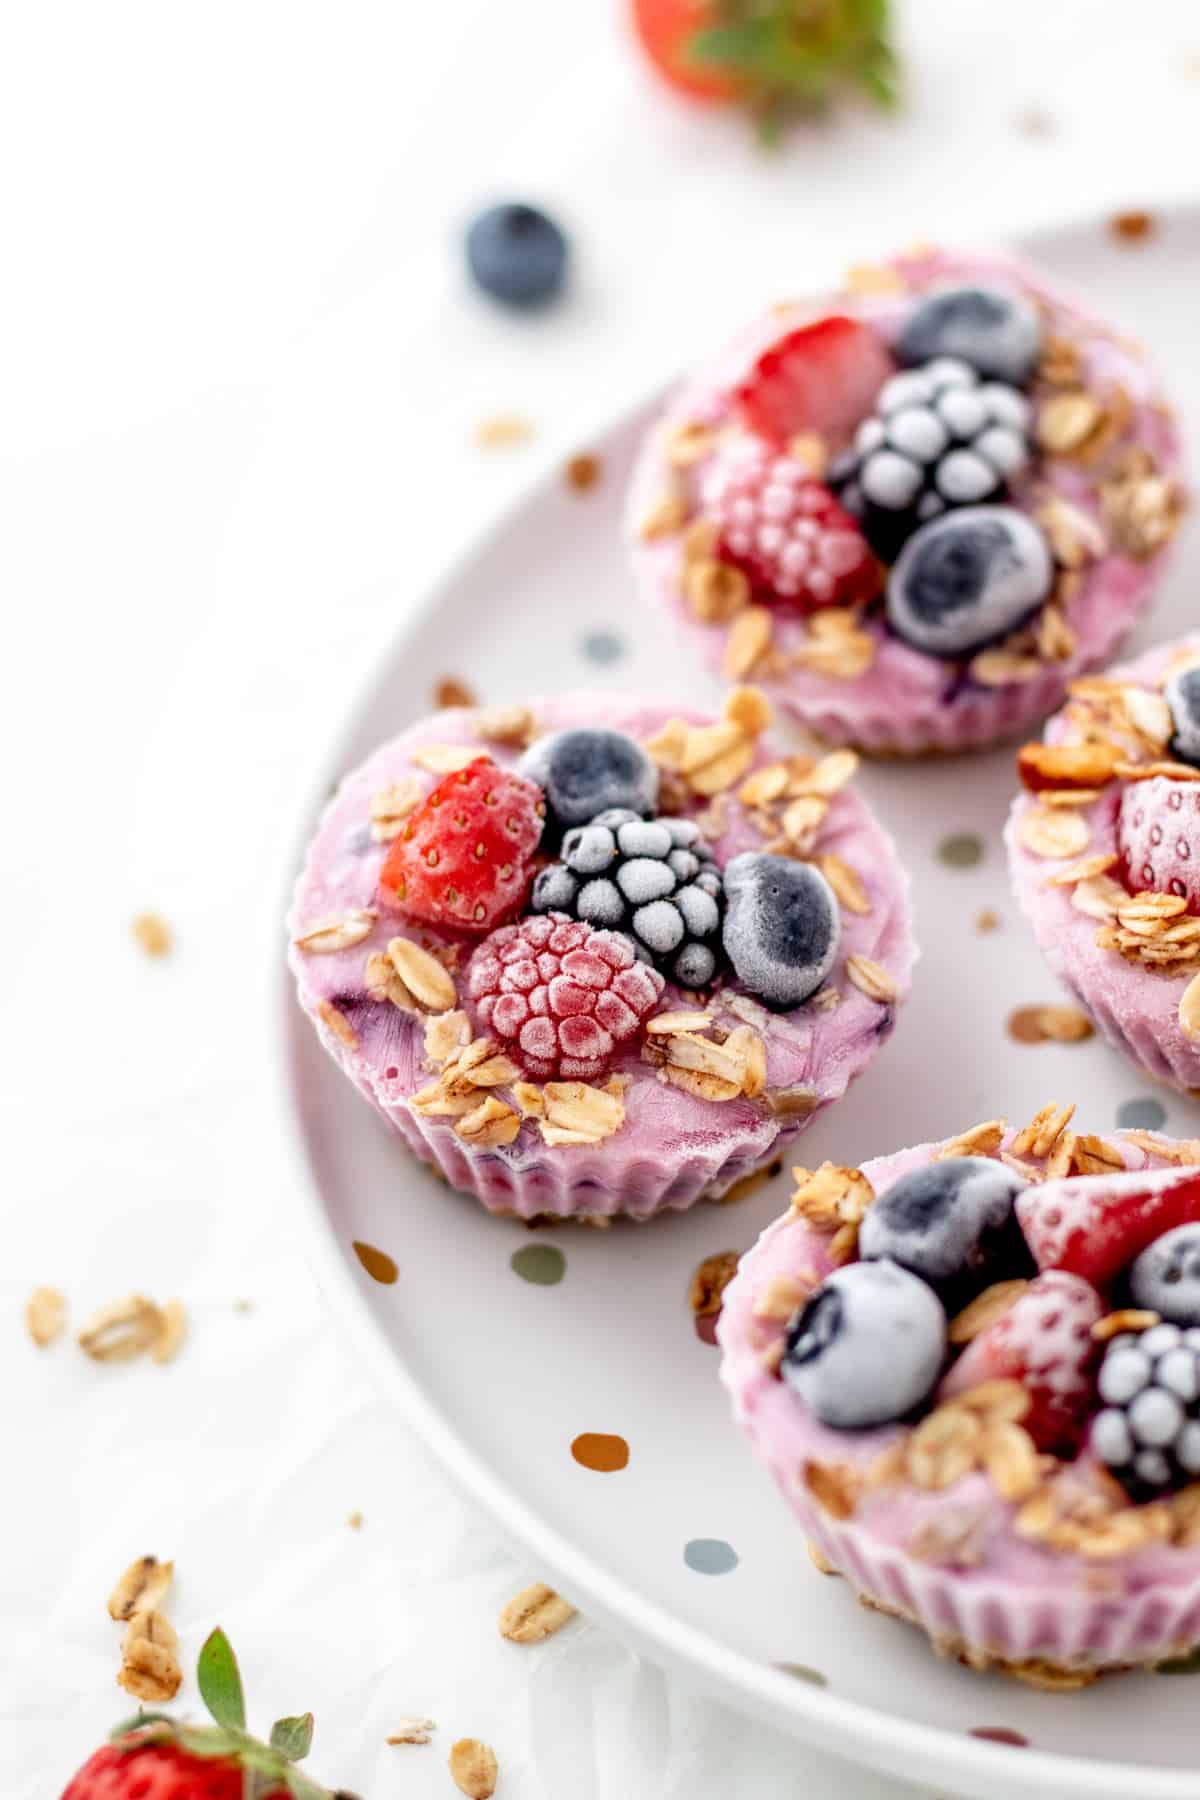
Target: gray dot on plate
603, 647
1142, 1115
710, 1556
961, 850
802, 1672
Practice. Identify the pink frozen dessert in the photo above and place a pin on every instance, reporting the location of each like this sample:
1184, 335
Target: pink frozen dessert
1104, 850
973, 1369
591, 956
916, 512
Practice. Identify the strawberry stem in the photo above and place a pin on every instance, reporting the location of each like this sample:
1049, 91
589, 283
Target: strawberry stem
794, 56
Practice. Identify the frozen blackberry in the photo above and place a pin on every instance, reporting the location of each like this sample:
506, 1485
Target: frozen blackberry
655, 880
1149, 1430
939, 437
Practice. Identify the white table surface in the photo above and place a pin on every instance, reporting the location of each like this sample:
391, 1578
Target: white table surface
212, 507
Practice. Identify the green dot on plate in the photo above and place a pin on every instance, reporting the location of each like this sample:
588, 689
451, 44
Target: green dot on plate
1146, 1114
802, 1672
961, 850
710, 1556
602, 647
543, 1264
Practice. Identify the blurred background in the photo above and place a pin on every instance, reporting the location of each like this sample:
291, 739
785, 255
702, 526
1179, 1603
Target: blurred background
242, 377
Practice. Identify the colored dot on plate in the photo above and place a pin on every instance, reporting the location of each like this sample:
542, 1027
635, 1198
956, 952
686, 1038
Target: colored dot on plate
378, 1264
961, 850
710, 1556
1024, 1024
1000, 1734
600, 1450
543, 1264
1142, 1115
802, 1672
603, 647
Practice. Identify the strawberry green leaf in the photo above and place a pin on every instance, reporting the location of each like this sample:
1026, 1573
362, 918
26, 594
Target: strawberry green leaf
205, 1740
220, 1681
293, 1737
139, 1722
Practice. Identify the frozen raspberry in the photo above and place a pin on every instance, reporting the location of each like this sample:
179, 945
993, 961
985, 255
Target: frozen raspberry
822, 377
786, 531
1158, 830
1045, 1342
1097, 1225
561, 995
465, 856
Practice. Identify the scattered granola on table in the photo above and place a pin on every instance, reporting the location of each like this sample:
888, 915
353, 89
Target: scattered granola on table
1115, 904
917, 512
973, 1368
590, 957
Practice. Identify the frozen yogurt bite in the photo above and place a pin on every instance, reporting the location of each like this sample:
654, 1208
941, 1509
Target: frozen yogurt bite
592, 956
973, 1369
1104, 852
916, 512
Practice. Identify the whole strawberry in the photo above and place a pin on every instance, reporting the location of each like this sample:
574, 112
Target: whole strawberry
465, 856
156, 1757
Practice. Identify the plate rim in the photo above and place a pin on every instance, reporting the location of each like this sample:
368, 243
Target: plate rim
842, 1726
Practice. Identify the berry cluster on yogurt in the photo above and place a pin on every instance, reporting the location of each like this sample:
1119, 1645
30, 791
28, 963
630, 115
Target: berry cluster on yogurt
1104, 849
1091, 1289
588, 926
917, 514
973, 1369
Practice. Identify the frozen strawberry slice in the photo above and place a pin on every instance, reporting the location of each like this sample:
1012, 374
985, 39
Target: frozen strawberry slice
821, 377
1045, 1342
1158, 831
1097, 1224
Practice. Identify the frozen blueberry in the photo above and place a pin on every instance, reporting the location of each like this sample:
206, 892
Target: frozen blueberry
781, 927
1182, 694
1166, 1276
996, 332
867, 1347
966, 578
516, 254
584, 772
936, 1220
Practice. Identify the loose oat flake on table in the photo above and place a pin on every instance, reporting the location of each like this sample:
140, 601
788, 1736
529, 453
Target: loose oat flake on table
1116, 911
590, 956
986, 1399
915, 513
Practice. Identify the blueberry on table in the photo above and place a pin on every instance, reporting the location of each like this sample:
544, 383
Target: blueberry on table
1165, 1278
516, 254
867, 1347
997, 332
967, 578
585, 771
781, 927
935, 1219
1182, 695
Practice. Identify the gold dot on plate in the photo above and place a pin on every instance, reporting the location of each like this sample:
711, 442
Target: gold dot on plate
583, 472
988, 920
1132, 227
378, 1264
602, 1451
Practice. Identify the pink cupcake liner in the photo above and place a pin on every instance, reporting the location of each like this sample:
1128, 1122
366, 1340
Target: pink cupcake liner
674, 1147
908, 703
1021, 1602
1136, 1009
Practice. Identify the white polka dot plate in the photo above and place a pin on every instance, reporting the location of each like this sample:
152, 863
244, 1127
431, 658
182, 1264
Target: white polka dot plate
560, 1374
